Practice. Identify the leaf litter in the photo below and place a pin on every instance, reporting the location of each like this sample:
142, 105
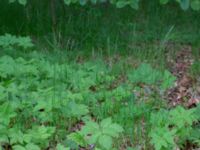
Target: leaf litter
184, 91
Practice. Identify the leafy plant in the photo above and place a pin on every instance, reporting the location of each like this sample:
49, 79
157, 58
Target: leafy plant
99, 134
171, 128
147, 75
8, 41
184, 4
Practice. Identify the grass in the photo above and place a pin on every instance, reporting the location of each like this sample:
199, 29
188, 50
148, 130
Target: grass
99, 60
49, 97
102, 27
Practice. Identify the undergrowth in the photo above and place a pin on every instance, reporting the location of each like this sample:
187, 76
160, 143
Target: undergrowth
56, 104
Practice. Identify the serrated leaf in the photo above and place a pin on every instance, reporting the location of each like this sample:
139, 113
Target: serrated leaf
94, 137
78, 110
16, 136
117, 128
77, 138
181, 117
105, 141
18, 147
90, 127
61, 147
113, 130
106, 122
31, 146
6, 113
162, 138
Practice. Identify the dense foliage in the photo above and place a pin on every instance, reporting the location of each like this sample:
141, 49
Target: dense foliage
49, 102
87, 75
185, 4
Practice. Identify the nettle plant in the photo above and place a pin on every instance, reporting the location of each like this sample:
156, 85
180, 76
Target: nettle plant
184, 4
172, 129
145, 74
9, 40
100, 135
13, 135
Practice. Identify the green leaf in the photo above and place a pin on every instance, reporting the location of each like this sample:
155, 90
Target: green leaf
145, 74
134, 4
113, 130
22, 2
12, 1
195, 5
168, 80
94, 137
90, 128
164, 1
4, 138
16, 136
77, 110
6, 113
18, 147
77, 138
181, 117
82, 2
106, 122
67, 2
121, 4
31, 146
161, 138
41, 133
61, 147
185, 4
93, 1
105, 141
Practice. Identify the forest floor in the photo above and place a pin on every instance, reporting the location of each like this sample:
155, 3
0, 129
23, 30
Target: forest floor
186, 90
59, 100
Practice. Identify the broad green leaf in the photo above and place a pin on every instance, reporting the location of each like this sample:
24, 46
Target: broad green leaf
6, 113
134, 4
16, 136
121, 4
105, 141
185, 4
31, 146
90, 127
195, 4
82, 2
77, 138
113, 130
61, 147
18, 147
4, 138
41, 133
67, 2
93, 1
106, 122
22, 2
94, 137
